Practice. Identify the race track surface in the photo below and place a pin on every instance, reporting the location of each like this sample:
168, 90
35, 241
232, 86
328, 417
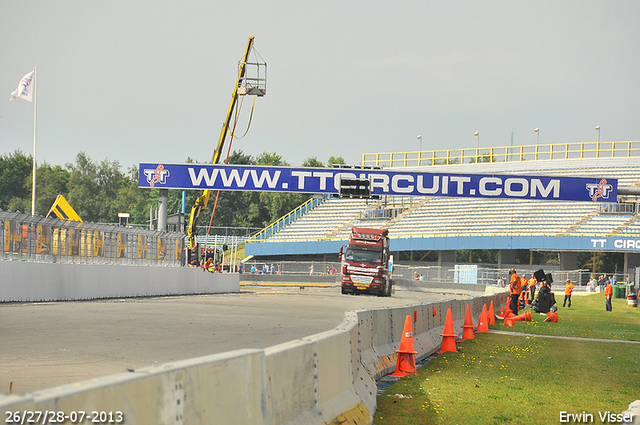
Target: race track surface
55, 343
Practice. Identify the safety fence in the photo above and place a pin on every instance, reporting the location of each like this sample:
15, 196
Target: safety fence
503, 154
24, 237
473, 274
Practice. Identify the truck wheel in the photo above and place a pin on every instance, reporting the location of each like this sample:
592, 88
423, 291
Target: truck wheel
344, 291
389, 288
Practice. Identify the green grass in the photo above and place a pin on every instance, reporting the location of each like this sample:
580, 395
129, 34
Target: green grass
515, 379
587, 318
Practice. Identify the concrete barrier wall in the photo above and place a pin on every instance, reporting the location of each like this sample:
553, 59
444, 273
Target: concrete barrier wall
26, 281
325, 378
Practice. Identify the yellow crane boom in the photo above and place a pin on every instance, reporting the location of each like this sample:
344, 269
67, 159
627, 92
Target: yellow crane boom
202, 201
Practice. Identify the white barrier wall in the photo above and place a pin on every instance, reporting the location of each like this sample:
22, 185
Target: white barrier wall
26, 281
325, 378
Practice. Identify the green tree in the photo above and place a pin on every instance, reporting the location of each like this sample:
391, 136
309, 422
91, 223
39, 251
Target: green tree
93, 187
15, 181
312, 162
51, 181
335, 160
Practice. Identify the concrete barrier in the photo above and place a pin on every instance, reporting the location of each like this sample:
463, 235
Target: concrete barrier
325, 378
27, 281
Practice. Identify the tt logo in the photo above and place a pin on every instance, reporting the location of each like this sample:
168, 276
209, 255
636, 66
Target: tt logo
159, 175
600, 190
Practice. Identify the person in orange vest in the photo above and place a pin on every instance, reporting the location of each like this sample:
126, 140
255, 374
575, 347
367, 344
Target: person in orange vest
515, 288
532, 287
567, 293
525, 290
608, 294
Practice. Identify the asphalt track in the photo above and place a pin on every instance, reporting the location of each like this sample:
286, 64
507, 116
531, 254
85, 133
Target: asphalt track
54, 343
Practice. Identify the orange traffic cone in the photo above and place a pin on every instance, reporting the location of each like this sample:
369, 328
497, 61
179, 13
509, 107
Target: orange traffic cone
507, 311
492, 314
483, 323
406, 354
434, 312
524, 316
552, 317
448, 336
501, 313
508, 321
467, 328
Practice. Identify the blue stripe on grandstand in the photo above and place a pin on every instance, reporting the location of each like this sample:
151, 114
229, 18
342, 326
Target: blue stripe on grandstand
557, 243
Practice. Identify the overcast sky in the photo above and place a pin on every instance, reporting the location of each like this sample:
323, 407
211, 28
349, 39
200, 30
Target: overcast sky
151, 81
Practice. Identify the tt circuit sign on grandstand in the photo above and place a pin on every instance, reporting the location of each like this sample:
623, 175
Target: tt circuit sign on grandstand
383, 182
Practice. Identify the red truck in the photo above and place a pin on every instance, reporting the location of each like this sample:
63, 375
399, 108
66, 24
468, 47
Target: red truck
367, 263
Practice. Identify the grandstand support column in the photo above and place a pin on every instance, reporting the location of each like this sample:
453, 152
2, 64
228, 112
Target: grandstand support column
445, 257
568, 260
506, 256
163, 201
631, 261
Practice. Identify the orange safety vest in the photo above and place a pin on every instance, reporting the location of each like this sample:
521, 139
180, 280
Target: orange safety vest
568, 288
608, 291
515, 284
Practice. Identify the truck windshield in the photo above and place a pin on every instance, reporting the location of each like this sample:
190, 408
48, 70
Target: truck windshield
354, 254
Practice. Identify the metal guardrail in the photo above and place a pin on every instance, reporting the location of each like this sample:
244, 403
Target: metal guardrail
503, 154
24, 237
286, 219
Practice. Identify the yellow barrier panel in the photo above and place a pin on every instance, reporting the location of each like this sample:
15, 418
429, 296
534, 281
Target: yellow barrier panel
63, 210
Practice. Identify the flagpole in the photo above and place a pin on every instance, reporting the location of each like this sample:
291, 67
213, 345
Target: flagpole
35, 127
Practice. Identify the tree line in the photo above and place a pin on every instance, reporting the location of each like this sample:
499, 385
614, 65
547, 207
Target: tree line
98, 191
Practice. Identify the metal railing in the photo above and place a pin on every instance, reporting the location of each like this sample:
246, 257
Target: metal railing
35, 238
503, 154
286, 219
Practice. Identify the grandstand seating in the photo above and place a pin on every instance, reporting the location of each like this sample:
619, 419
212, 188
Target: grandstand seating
448, 216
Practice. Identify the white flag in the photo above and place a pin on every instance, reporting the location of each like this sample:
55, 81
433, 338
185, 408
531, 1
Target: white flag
24, 88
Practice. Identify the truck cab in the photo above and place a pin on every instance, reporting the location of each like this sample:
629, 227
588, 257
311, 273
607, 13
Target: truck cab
367, 263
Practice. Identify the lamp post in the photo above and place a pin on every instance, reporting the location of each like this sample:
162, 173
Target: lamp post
420, 138
538, 134
420, 153
598, 128
477, 134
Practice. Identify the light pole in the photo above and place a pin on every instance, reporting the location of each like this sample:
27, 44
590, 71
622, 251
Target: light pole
420, 138
538, 133
598, 128
477, 134
420, 153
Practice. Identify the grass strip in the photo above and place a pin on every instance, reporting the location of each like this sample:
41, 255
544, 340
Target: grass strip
509, 379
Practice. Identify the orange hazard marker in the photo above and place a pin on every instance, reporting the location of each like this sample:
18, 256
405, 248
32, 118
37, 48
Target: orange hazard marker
434, 312
467, 328
448, 336
508, 312
552, 317
483, 323
492, 314
508, 321
501, 312
524, 316
406, 354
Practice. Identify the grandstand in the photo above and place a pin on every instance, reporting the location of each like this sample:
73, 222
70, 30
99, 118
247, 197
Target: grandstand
447, 223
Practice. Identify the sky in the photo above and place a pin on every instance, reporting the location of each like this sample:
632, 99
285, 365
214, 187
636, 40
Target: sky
151, 81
